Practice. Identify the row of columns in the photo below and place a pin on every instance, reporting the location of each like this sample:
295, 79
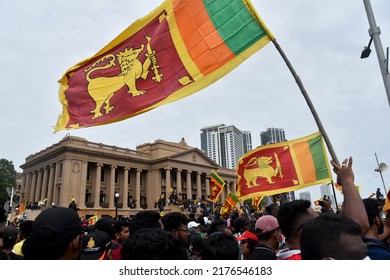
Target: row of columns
42, 183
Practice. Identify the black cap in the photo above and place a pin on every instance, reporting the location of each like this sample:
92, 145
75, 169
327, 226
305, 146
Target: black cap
95, 245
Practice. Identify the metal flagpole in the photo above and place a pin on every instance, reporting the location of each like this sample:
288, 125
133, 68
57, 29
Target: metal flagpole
310, 104
374, 33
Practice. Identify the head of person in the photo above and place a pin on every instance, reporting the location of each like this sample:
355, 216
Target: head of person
374, 215
220, 246
58, 228
96, 246
176, 223
121, 231
10, 236
332, 236
106, 224
145, 219
291, 217
248, 241
152, 244
197, 243
25, 229
268, 231
240, 224
219, 225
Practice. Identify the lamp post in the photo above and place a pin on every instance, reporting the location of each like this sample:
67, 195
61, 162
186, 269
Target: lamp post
383, 60
381, 167
116, 196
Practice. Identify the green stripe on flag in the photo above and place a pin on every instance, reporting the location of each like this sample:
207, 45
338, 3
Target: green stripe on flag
318, 155
216, 177
234, 23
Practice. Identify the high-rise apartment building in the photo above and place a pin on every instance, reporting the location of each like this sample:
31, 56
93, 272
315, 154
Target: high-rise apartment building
272, 135
225, 144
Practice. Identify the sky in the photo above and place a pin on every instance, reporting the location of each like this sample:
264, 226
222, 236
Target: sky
323, 40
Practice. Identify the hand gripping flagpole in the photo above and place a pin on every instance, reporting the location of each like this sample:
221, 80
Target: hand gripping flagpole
312, 109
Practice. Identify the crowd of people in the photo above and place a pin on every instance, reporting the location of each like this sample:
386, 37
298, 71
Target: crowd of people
294, 232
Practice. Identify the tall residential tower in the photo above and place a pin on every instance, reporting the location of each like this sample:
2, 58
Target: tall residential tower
225, 144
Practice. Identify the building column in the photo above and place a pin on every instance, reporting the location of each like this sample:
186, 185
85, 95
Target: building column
189, 185
27, 186
50, 185
44, 183
33, 186
111, 188
83, 184
179, 190
96, 186
207, 186
198, 185
55, 188
168, 184
138, 188
125, 188
38, 188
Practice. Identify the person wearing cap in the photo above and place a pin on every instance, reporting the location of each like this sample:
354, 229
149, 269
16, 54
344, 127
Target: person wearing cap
248, 241
10, 237
269, 236
55, 235
96, 246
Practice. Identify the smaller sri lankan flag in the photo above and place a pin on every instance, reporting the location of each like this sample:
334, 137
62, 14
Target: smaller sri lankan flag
230, 202
283, 167
216, 186
181, 47
256, 201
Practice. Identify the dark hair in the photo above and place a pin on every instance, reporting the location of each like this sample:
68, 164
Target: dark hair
173, 220
152, 244
145, 219
220, 246
43, 244
323, 237
290, 213
372, 209
25, 228
217, 225
118, 225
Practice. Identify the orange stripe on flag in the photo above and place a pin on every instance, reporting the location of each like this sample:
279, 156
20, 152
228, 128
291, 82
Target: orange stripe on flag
196, 27
305, 161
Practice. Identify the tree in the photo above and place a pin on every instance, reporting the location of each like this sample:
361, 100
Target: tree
7, 179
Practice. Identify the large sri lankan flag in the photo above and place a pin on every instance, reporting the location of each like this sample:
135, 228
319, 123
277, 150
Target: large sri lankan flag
283, 167
179, 48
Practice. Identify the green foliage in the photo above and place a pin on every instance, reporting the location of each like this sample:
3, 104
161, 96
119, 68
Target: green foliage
7, 179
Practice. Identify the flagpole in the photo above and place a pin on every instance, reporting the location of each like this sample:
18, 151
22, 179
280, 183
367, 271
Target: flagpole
310, 104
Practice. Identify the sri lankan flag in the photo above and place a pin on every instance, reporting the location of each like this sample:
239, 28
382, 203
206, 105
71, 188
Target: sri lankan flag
283, 167
230, 202
178, 49
216, 186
